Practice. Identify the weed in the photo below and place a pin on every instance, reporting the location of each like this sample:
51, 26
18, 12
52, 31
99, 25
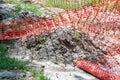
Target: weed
42, 40
76, 36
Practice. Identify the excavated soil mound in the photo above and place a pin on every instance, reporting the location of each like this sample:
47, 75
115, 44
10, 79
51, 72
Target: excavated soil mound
60, 45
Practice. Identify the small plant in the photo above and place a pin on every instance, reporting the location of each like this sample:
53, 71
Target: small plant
42, 40
76, 36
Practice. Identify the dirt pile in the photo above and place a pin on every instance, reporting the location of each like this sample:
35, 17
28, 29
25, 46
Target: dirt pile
60, 45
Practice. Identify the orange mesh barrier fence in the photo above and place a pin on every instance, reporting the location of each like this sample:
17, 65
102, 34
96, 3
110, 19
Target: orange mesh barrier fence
98, 21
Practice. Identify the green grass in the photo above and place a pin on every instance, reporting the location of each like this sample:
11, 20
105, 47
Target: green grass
70, 4
9, 63
38, 75
28, 7
62, 4
18, 8
31, 7
3, 49
11, 1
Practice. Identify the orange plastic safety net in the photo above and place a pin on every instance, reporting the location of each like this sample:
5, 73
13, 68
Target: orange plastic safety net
100, 19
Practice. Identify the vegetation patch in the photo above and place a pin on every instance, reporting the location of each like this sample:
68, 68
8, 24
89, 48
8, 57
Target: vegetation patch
9, 63
31, 7
38, 75
19, 6
3, 49
62, 4
42, 40
76, 36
